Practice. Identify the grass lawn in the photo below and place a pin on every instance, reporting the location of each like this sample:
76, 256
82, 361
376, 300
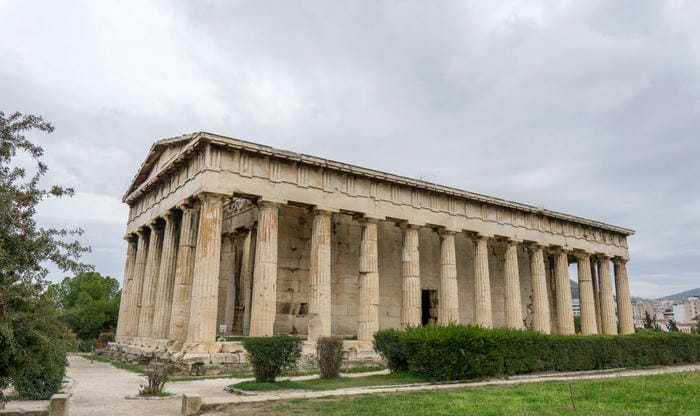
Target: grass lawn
332, 384
122, 366
668, 394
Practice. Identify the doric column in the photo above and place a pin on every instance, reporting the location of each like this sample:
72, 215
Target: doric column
184, 272
540, 300
207, 257
247, 259
166, 277
565, 313
264, 300
134, 308
410, 277
482, 284
624, 304
607, 304
150, 280
596, 292
448, 295
513, 304
586, 296
320, 277
127, 284
368, 312
227, 281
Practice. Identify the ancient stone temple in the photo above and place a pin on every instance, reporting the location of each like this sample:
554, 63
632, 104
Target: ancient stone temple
227, 237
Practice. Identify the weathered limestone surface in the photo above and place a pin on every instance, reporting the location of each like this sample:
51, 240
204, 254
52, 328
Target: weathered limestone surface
150, 280
565, 315
137, 285
587, 302
166, 278
127, 285
284, 269
624, 304
264, 303
482, 285
205, 285
607, 303
448, 306
410, 273
540, 300
368, 312
320, 276
513, 308
184, 272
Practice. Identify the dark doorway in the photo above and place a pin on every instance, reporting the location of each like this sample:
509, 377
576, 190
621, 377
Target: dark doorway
428, 306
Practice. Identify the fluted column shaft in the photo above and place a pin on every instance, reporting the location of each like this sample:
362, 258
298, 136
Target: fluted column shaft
166, 277
247, 259
565, 313
148, 299
264, 302
368, 312
207, 261
540, 300
320, 277
134, 308
448, 305
513, 304
607, 303
482, 284
410, 278
596, 293
127, 286
624, 303
586, 296
184, 272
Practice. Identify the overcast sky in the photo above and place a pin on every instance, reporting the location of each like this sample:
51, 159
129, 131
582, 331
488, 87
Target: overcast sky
590, 108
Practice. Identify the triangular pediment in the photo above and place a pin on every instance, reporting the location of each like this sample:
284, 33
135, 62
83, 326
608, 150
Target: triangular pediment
158, 156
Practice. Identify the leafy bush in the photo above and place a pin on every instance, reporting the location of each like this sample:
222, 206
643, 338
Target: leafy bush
106, 337
271, 356
388, 344
330, 356
456, 352
41, 380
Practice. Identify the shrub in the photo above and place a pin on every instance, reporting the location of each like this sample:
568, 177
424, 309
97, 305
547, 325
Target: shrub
454, 352
271, 356
330, 356
387, 343
106, 337
42, 379
157, 375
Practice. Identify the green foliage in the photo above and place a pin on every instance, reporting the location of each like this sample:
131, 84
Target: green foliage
672, 326
89, 303
388, 344
456, 352
650, 323
271, 356
330, 356
43, 378
31, 335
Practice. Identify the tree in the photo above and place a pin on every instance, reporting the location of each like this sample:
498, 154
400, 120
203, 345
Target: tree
89, 303
671, 326
650, 323
32, 353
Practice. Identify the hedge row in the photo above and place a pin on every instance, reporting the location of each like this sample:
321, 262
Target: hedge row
456, 352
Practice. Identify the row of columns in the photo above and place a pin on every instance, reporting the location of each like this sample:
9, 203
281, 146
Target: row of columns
172, 277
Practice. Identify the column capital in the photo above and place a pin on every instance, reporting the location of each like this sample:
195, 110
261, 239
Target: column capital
581, 255
512, 241
204, 196
267, 204
602, 257
620, 260
321, 211
446, 231
155, 224
370, 220
482, 236
130, 237
169, 215
559, 250
141, 231
405, 225
535, 246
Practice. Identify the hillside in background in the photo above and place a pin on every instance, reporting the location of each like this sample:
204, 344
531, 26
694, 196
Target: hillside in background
682, 295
